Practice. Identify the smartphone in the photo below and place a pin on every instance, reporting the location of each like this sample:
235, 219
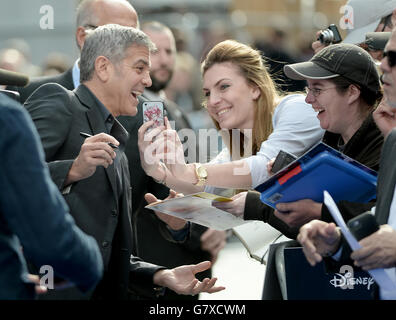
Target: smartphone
363, 225
154, 110
282, 160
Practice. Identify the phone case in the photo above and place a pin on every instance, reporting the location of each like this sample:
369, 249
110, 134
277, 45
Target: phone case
153, 110
363, 225
282, 160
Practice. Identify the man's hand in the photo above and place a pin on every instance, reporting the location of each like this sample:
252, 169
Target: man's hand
236, 207
213, 241
378, 250
36, 280
319, 238
182, 279
384, 117
93, 153
317, 45
298, 213
173, 222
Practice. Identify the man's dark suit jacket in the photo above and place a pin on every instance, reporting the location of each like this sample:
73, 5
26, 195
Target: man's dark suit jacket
60, 115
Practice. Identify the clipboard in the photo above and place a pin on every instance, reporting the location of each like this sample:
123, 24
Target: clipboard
321, 168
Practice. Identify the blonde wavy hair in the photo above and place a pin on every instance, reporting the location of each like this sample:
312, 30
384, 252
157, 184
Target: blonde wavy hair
253, 68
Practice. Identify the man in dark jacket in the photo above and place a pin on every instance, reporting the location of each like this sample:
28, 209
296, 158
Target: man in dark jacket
93, 173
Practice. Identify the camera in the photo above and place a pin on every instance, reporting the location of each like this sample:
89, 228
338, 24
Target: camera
330, 35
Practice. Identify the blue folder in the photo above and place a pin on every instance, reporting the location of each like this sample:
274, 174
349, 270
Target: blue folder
321, 168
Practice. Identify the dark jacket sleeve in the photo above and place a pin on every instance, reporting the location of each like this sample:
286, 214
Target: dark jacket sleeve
257, 210
46, 116
141, 276
348, 210
36, 212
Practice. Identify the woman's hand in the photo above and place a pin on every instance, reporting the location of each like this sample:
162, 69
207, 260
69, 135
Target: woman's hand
270, 164
149, 158
168, 147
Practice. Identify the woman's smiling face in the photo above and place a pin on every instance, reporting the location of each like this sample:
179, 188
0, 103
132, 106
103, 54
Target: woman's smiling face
229, 97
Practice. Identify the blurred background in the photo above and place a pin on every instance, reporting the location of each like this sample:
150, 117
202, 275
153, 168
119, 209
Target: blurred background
37, 36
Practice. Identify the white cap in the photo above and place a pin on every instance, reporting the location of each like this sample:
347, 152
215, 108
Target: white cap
367, 15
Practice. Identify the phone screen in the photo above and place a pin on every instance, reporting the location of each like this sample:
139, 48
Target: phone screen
154, 110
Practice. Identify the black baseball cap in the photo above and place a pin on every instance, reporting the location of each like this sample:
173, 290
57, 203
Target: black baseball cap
342, 59
377, 40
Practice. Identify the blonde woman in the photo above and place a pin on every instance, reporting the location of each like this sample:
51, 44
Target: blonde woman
239, 94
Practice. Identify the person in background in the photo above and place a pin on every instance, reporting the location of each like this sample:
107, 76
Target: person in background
363, 16
90, 15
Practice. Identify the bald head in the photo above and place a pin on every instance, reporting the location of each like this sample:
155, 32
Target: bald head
95, 13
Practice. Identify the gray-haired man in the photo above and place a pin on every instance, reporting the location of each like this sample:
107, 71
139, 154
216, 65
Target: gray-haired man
94, 176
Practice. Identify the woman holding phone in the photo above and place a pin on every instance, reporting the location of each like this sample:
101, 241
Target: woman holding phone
255, 119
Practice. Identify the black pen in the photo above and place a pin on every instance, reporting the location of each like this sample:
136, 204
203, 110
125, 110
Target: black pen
87, 135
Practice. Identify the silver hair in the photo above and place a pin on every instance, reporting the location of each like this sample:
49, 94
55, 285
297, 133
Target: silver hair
110, 41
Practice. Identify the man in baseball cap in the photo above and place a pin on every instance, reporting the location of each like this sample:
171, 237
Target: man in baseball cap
346, 60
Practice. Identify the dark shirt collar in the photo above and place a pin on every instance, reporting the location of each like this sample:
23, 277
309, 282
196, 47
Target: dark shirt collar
107, 117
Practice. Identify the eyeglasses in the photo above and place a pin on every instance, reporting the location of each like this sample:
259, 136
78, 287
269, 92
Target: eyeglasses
387, 21
391, 58
316, 91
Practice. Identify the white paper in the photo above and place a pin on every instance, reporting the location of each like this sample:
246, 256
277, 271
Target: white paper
380, 276
198, 210
257, 236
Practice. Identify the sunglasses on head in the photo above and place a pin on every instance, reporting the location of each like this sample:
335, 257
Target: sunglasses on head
391, 57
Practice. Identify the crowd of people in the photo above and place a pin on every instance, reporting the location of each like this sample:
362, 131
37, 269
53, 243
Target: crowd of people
81, 164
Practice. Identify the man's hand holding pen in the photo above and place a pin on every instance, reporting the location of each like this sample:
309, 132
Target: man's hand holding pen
95, 151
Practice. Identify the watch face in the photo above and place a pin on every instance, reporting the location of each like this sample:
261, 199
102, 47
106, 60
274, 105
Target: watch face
202, 172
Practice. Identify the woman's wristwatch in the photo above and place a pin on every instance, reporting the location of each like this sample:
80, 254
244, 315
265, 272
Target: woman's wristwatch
201, 174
